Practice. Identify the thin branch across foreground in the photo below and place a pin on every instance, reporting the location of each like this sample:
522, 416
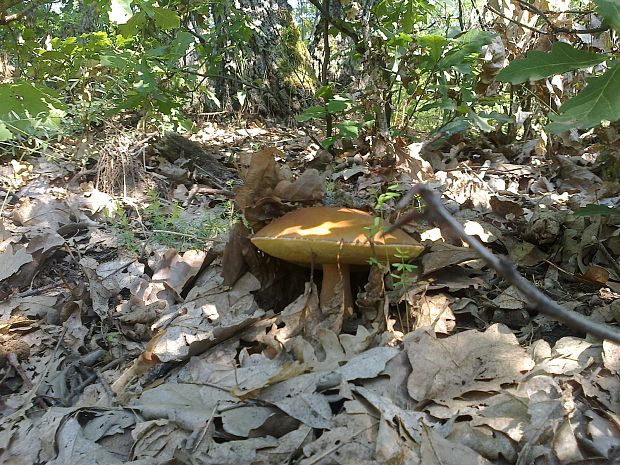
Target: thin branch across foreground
504, 267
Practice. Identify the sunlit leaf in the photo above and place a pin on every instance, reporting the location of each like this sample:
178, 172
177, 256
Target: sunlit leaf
5, 134
435, 44
348, 129
27, 107
133, 26
120, 11
325, 92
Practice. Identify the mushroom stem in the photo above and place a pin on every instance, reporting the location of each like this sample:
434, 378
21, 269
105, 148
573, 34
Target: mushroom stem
331, 278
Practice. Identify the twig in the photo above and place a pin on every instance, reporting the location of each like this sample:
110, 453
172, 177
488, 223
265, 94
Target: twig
206, 428
554, 29
612, 261
33, 392
39, 290
505, 268
331, 450
96, 375
14, 362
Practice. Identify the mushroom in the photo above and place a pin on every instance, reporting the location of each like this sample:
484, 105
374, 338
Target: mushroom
334, 238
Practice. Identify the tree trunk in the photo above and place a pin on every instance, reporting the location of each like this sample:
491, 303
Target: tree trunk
274, 70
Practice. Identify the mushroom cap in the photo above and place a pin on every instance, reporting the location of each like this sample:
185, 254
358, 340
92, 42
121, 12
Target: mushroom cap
325, 235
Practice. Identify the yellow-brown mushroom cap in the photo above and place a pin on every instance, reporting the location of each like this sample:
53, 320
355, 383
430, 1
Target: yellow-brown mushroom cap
326, 235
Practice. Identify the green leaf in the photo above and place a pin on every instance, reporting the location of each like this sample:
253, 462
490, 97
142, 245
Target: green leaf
311, 113
537, 65
610, 10
481, 122
348, 129
328, 142
180, 44
120, 11
456, 126
5, 134
131, 101
400, 40
596, 210
165, 18
133, 26
338, 103
27, 107
499, 117
325, 92
469, 43
598, 102
434, 43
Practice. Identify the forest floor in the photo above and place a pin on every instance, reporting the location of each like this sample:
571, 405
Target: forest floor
139, 325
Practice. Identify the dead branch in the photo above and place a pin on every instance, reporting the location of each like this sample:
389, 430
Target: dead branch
504, 267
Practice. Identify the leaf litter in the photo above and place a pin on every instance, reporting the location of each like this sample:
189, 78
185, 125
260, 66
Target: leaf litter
120, 346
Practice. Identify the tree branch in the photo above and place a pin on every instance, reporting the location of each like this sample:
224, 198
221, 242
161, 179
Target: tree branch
554, 29
504, 267
6, 19
340, 25
534, 9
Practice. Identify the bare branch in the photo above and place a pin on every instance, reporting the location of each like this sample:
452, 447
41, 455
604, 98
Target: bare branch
505, 268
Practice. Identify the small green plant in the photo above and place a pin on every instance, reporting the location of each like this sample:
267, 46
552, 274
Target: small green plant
334, 106
123, 228
394, 192
402, 278
112, 338
172, 226
169, 224
402, 270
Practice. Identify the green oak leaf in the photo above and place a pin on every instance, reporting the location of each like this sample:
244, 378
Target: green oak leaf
538, 65
598, 102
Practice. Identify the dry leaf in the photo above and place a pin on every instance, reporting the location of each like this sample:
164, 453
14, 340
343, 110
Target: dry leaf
443, 369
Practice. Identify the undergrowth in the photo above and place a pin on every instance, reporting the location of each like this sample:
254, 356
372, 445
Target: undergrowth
169, 224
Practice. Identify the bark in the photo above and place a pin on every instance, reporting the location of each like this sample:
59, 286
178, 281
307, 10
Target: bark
330, 55
274, 69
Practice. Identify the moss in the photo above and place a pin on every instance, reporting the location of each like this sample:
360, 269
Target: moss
294, 64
